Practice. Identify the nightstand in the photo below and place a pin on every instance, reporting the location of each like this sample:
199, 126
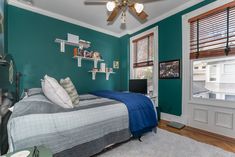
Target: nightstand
155, 102
43, 152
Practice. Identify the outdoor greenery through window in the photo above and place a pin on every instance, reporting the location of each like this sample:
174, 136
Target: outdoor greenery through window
143, 59
212, 52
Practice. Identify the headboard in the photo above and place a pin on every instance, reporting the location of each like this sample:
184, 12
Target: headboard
8, 100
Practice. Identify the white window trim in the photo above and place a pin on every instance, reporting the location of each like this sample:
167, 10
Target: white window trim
155, 57
187, 70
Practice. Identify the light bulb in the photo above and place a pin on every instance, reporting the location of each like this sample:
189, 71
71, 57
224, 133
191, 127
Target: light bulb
139, 7
110, 5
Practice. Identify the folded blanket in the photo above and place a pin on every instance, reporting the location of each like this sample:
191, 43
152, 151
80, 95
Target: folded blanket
142, 116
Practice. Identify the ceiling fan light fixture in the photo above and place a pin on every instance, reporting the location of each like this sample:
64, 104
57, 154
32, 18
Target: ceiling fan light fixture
123, 18
139, 7
110, 5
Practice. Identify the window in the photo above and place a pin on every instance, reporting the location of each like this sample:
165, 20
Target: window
212, 50
212, 72
229, 68
143, 59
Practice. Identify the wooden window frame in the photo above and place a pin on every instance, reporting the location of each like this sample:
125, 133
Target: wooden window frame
147, 63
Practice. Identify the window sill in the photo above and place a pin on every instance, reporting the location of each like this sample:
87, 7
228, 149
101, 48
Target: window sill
213, 103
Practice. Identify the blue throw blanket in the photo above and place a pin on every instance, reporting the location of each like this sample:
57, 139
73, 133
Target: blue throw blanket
142, 116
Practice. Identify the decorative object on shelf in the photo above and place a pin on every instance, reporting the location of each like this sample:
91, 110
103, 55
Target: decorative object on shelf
102, 67
115, 64
110, 69
169, 69
75, 52
106, 70
96, 55
87, 54
72, 38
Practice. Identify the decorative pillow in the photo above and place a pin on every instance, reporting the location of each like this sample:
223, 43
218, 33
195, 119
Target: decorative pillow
68, 85
54, 92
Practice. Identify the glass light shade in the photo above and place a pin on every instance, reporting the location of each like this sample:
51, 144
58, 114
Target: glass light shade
110, 5
139, 7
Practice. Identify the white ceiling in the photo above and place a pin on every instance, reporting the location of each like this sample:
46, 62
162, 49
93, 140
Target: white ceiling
96, 15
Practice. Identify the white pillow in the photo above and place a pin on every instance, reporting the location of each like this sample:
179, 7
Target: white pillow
54, 92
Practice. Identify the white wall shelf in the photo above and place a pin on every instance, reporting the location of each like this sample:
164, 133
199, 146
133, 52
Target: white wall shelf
80, 58
81, 44
101, 72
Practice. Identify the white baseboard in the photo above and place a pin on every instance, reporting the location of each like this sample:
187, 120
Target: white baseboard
170, 117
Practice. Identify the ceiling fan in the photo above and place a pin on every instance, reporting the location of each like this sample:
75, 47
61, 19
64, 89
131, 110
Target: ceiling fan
136, 7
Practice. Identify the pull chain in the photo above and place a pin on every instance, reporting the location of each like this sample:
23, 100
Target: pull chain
227, 49
198, 49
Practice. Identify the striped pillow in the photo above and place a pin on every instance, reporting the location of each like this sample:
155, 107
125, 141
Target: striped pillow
69, 87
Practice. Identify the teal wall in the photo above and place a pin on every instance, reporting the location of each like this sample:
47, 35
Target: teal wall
170, 48
4, 83
31, 43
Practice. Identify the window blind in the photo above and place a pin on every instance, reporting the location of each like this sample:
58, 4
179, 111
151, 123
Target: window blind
213, 34
143, 51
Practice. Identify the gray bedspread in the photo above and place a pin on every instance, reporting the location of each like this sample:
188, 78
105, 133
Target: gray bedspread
82, 131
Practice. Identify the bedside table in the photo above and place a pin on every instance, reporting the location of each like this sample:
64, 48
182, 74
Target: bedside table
155, 103
43, 152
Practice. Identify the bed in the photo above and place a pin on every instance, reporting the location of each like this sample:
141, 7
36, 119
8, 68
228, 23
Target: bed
98, 121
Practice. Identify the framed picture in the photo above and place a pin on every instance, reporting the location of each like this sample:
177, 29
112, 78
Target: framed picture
115, 64
169, 69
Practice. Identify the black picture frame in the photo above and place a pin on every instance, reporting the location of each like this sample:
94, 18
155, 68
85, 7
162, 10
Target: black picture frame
169, 69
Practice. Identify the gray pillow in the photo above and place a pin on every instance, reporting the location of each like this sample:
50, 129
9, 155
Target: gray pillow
69, 87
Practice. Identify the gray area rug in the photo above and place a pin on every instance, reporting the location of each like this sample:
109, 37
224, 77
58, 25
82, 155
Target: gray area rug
166, 144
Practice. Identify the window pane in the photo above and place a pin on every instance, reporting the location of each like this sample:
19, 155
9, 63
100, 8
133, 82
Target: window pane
214, 78
145, 73
142, 50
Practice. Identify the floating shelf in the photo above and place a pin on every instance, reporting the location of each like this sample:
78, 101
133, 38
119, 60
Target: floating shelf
94, 74
81, 44
80, 58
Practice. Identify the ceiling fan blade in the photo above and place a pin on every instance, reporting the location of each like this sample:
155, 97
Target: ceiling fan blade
143, 15
113, 14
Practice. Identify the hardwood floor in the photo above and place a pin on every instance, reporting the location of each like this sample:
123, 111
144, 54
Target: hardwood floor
223, 142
